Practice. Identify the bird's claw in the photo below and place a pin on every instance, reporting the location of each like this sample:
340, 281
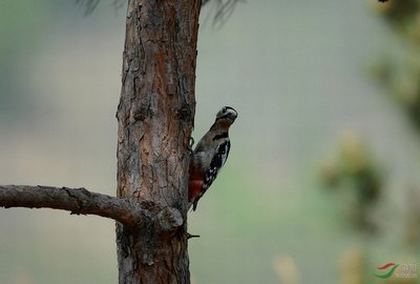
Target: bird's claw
191, 144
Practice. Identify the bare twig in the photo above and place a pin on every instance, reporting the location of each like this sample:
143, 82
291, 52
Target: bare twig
88, 5
190, 236
223, 9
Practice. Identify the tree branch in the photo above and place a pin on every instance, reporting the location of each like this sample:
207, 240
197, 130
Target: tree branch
75, 200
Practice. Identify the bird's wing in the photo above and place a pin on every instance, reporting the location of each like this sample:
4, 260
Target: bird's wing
218, 160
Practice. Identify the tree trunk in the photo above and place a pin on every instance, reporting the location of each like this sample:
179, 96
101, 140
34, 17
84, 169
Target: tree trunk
155, 117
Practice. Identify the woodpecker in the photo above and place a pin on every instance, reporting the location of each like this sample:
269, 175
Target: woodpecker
210, 155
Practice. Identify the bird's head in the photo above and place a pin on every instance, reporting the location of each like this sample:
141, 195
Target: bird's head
226, 115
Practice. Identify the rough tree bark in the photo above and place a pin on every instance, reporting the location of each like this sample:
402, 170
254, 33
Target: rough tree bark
155, 117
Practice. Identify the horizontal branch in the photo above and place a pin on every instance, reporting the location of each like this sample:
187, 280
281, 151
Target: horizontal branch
75, 200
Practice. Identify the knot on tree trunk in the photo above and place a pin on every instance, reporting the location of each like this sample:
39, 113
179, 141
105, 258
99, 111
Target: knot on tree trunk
169, 219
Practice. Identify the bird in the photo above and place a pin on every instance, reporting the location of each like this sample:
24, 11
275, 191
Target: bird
210, 155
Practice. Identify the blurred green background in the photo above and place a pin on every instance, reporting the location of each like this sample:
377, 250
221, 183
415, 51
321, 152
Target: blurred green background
322, 183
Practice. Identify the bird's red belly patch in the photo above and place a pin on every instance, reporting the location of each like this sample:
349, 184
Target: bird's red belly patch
194, 189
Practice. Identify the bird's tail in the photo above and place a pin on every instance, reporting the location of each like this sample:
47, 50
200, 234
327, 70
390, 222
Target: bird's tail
194, 205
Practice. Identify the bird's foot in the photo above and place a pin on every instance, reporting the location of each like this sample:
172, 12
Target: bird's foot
190, 145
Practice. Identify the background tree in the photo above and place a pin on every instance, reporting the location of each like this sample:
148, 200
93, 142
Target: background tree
398, 73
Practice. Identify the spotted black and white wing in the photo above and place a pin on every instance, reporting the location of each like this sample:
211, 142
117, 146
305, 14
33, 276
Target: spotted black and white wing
219, 159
